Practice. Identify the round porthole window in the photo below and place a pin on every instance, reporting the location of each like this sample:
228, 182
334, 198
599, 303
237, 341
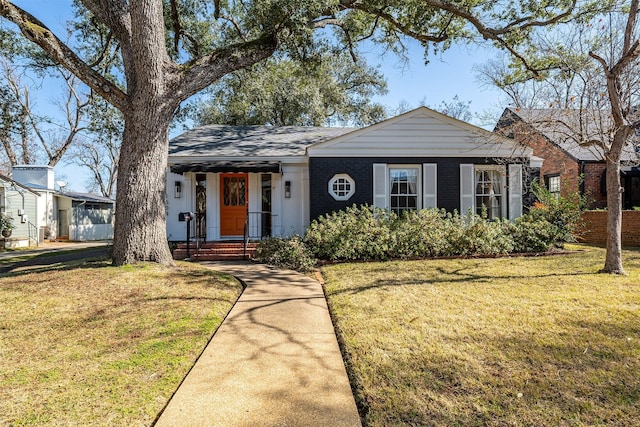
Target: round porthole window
342, 186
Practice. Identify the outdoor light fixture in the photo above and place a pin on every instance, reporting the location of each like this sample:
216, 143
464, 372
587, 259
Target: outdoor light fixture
287, 189
178, 190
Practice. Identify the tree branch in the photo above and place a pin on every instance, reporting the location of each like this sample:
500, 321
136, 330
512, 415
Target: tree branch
404, 29
194, 76
628, 31
38, 33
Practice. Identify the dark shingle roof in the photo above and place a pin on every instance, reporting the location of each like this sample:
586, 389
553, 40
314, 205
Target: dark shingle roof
250, 141
559, 125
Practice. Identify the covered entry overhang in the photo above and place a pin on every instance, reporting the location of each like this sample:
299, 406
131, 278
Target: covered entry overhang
223, 166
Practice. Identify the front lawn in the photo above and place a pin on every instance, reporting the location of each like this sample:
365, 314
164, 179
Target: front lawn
91, 344
506, 341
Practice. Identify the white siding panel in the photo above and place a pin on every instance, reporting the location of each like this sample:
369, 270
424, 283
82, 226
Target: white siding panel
515, 191
466, 189
430, 185
380, 185
419, 135
176, 230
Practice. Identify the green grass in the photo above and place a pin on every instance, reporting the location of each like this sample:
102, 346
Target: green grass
506, 341
91, 344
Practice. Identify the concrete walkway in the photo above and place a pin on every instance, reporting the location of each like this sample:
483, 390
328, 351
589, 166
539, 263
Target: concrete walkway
274, 361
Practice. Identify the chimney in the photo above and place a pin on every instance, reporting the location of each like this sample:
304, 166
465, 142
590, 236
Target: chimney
37, 177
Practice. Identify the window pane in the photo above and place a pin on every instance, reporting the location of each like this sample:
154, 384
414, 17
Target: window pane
227, 191
489, 192
404, 189
553, 183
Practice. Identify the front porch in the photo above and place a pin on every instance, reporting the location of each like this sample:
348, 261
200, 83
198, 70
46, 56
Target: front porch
226, 205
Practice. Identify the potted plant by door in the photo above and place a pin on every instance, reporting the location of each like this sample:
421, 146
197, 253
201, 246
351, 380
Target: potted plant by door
6, 225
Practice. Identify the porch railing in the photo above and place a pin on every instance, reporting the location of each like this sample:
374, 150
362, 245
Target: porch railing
33, 233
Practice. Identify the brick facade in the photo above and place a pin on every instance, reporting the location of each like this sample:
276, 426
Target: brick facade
322, 169
556, 161
596, 227
593, 181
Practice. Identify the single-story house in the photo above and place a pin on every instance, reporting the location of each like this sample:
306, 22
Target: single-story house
275, 180
550, 134
84, 216
64, 215
20, 203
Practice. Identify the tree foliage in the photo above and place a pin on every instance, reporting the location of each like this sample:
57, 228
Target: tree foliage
328, 89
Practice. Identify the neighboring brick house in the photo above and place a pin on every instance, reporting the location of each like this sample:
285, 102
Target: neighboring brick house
549, 134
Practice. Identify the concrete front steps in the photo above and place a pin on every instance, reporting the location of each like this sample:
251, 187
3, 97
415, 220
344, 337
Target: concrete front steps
215, 251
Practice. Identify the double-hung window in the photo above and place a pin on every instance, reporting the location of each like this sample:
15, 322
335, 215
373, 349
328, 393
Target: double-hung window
484, 188
489, 192
403, 189
553, 184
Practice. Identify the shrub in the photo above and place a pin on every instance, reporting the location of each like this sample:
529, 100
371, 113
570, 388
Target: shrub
289, 253
423, 233
357, 233
479, 236
6, 222
365, 233
531, 234
563, 213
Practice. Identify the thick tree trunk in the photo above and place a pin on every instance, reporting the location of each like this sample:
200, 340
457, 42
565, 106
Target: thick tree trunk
613, 260
140, 226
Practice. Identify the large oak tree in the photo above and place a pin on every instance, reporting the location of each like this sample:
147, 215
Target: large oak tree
172, 49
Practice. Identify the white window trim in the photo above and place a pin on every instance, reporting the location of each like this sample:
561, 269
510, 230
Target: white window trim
419, 195
511, 194
347, 178
556, 188
504, 194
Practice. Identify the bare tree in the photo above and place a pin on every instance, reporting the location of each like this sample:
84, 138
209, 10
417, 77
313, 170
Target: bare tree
590, 95
23, 139
456, 108
99, 149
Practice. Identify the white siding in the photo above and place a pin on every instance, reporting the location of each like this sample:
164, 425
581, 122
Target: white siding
91, 232
176, 230
24, 202
421, 133
295, 209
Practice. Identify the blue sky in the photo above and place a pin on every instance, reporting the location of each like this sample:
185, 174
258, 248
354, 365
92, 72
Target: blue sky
446, 76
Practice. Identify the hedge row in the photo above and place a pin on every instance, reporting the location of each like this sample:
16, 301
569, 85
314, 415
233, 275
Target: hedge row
363, 233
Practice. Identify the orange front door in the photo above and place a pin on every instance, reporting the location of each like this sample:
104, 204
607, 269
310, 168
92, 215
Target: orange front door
234, 202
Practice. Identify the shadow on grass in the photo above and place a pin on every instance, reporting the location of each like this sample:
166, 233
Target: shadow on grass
56, 261
459, 276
